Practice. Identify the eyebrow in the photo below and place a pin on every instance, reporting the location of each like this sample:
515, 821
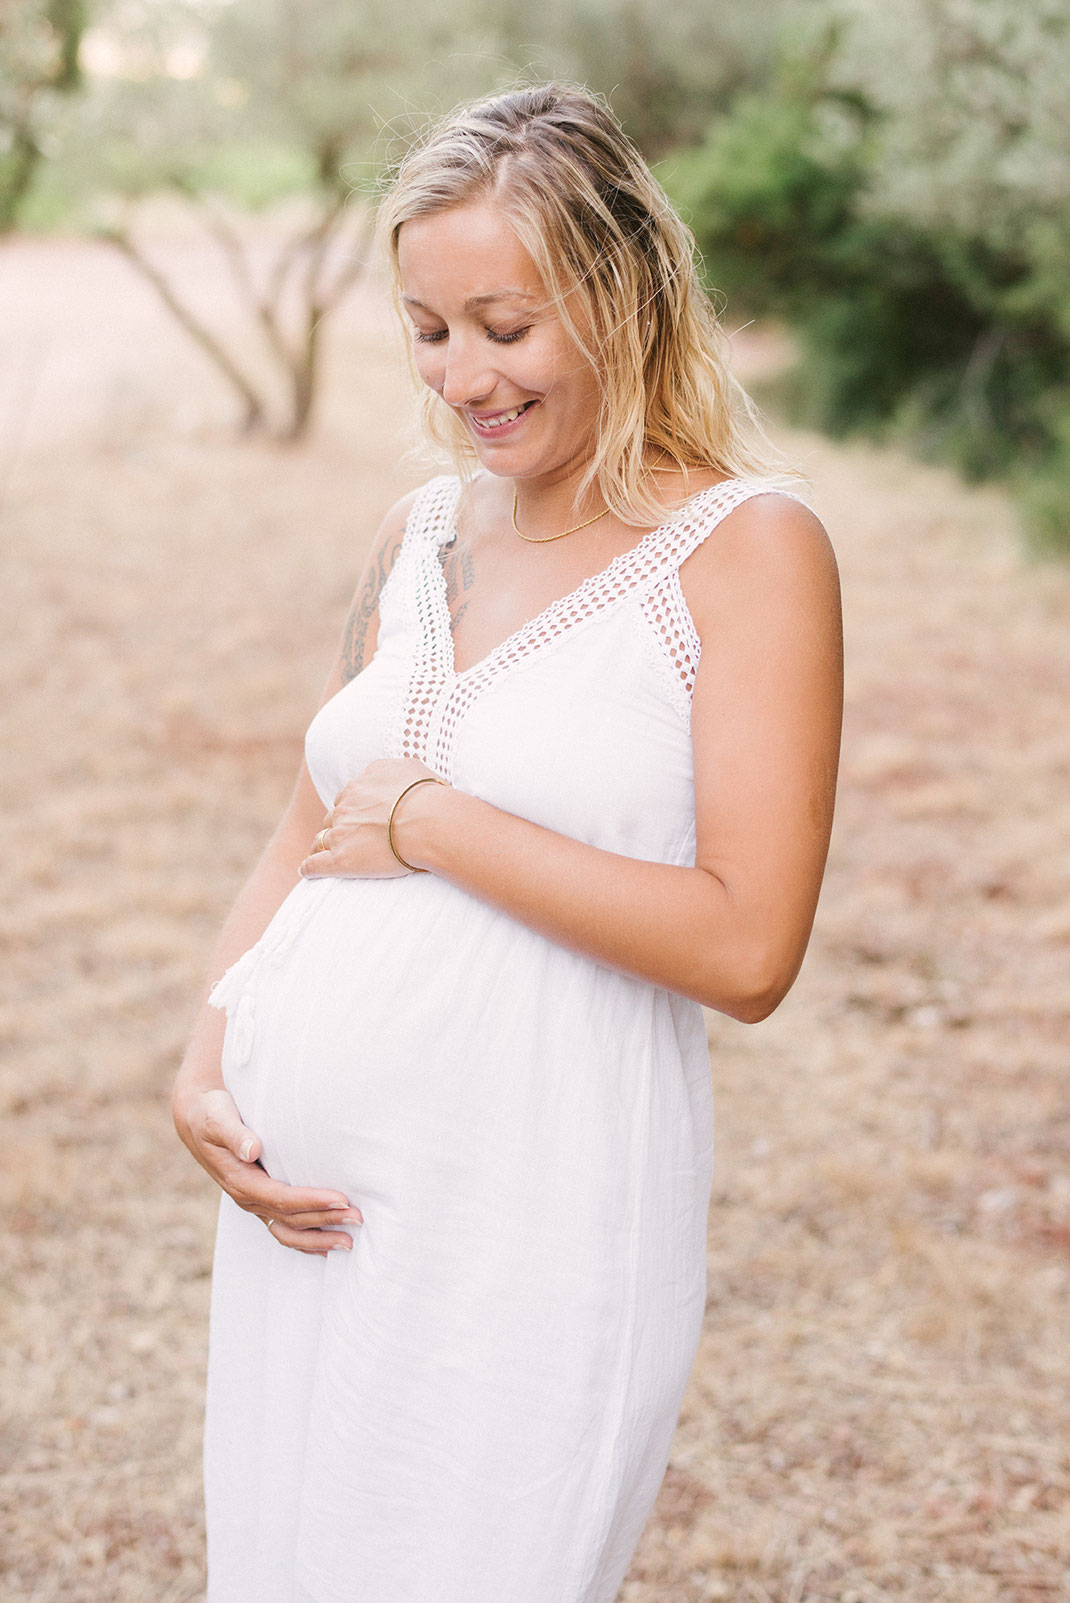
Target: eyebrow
475, 301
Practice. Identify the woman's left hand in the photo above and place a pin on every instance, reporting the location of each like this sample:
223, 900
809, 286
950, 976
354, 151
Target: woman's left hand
353, 841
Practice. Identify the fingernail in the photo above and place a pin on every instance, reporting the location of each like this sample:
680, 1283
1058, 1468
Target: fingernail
342, 1246
353, 1216
246, 1151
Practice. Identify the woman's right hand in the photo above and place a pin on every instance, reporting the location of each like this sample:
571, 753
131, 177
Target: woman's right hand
300, 1217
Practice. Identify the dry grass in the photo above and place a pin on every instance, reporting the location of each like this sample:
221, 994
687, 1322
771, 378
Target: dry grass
879, 1411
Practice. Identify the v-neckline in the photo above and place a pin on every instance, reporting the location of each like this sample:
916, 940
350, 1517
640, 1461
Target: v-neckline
548, 613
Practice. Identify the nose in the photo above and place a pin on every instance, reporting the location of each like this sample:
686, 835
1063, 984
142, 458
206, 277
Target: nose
467, 378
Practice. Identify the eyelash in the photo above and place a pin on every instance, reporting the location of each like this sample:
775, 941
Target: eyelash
439, 334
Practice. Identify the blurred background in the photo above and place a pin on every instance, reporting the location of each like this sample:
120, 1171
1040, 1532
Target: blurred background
204, 412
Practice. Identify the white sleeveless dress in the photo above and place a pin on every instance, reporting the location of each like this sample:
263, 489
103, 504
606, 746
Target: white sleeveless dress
476, 1405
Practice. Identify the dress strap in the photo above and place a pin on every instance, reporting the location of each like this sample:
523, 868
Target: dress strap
430, 524
674, 640
696, 520
432, 517
420, 596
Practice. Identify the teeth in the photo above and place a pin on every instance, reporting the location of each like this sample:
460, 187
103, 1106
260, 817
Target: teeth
502, 417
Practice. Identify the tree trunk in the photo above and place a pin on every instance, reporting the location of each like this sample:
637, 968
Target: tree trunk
16, 174
254, 406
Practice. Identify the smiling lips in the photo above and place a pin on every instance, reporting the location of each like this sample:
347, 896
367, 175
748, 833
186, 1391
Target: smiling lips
494, 422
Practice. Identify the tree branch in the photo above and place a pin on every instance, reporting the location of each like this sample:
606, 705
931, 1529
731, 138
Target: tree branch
348, 275
254, 406
304, 370
265, 309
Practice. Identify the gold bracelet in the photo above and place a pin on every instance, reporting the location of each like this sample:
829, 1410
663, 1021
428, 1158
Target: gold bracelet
428, 779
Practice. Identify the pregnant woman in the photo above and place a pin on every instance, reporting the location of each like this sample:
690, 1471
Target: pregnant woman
573, 777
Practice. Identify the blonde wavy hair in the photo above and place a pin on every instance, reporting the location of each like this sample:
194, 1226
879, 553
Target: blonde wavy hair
604, 237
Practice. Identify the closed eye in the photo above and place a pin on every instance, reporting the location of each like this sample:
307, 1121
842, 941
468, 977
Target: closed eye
436, 335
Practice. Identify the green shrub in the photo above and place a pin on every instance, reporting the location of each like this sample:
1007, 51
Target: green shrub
950, 333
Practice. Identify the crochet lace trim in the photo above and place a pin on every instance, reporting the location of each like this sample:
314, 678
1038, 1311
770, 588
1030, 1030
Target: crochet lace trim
438, 697
675, 641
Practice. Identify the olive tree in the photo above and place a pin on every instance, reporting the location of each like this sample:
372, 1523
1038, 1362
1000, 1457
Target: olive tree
303, 80
243, 100
39, 43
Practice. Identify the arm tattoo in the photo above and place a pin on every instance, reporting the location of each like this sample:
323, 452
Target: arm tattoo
459, 572
355, 637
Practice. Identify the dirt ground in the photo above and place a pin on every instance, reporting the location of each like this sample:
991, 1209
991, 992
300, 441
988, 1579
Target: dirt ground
880, 1408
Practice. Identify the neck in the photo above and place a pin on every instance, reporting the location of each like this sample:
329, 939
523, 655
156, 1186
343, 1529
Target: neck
545, 507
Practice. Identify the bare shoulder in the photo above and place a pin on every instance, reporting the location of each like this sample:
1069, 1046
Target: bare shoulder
771, 553
770, 527
386, 541
362, 624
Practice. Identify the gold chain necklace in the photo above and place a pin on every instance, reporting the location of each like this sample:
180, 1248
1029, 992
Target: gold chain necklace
544, 539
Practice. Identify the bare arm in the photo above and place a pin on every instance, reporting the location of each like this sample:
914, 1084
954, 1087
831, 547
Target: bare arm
730, 932
205, 1115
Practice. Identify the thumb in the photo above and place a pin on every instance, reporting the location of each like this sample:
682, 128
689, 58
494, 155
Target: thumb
226, 1129
250, 1146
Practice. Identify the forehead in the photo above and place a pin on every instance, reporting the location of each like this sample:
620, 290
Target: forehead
468, 254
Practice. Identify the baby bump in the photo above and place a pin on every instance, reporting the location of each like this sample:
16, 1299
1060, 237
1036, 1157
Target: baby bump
423, 1046
350, 1026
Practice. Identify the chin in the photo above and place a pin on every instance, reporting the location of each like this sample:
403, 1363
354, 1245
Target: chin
506, 464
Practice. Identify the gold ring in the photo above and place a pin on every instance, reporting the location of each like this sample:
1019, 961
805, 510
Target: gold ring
320, 844
269, 1223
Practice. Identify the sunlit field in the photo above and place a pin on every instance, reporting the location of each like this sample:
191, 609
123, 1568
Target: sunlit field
879, 1412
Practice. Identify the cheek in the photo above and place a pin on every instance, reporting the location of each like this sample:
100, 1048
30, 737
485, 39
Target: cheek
571, 373
581, 388
430, 365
